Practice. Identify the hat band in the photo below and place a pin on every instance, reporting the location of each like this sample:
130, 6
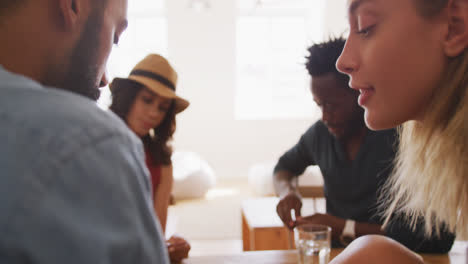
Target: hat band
155, 77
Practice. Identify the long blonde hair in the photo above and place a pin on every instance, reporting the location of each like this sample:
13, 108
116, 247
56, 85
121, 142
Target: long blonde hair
430, 179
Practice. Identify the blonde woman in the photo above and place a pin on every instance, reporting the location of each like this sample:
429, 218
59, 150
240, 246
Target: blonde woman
409, 60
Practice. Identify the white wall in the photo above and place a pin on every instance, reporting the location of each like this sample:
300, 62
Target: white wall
336, 20
201, 47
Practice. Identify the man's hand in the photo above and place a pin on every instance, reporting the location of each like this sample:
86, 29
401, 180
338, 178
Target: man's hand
291, 201
336, 223
178, 249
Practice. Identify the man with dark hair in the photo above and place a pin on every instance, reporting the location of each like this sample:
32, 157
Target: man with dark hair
73, 184
355, 161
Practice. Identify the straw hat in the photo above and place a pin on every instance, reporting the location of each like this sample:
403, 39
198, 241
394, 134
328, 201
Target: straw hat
155, 73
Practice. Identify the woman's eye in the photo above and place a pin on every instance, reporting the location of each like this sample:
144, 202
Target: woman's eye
116, 40
365, 32
147, 100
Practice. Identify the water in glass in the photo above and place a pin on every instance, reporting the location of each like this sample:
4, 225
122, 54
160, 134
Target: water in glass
313, 252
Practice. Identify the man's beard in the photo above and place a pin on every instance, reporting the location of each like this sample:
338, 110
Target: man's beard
82, 75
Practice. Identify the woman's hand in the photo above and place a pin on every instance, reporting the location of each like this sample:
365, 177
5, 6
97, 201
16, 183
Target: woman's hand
178, 248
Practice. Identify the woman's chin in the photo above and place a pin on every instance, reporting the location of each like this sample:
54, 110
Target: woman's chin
141, 132
376, 122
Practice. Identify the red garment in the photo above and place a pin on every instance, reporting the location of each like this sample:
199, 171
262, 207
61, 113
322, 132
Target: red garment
155, 172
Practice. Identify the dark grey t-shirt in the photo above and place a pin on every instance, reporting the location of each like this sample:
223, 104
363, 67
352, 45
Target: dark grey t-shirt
350, 187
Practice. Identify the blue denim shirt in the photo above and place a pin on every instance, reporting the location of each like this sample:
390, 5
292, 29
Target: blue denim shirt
73, 184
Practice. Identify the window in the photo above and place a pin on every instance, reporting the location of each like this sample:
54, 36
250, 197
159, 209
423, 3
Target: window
272, 40
146, 33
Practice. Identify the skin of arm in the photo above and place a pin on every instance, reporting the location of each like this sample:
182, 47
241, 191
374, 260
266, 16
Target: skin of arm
163, 194
285, 184
376, 249
178, 247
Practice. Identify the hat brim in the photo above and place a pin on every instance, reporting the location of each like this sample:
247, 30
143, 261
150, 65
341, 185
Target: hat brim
160, 89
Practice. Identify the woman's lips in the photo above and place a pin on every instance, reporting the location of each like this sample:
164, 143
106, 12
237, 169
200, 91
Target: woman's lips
147, 125
366, 94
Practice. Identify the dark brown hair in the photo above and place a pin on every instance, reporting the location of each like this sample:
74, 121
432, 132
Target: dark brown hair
9, 6
124, 93
430, 8
322, 60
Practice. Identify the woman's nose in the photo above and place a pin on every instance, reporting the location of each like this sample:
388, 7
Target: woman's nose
153, 112
347, 62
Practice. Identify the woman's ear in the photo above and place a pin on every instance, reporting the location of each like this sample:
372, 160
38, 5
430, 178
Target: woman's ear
70, 10
457, 35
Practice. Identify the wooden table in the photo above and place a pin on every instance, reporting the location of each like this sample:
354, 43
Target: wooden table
262, 229
290, 257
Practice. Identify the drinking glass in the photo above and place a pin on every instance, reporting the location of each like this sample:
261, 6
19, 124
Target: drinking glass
313, 243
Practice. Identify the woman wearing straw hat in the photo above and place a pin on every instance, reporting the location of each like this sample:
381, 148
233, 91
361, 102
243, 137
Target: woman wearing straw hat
147, 102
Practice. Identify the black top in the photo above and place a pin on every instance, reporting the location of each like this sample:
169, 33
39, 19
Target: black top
399, 230
351, 187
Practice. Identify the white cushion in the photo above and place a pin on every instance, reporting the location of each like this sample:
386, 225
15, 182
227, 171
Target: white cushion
193, 176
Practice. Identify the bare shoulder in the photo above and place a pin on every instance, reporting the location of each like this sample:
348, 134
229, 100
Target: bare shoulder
377, 249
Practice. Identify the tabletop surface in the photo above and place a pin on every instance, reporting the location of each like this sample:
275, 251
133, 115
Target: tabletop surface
456, 256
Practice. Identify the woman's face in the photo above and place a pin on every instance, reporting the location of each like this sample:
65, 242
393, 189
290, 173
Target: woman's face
147, 112
394, 57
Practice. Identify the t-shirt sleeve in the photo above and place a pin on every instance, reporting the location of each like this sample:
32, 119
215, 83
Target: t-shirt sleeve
399, 230
91, 205
300, 156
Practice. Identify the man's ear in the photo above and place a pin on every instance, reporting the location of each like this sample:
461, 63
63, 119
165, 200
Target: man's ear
70, 11
457, 35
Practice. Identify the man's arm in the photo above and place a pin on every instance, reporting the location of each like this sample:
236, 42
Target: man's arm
363, 229
285, 184
337, 225
90, 204
285, 177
